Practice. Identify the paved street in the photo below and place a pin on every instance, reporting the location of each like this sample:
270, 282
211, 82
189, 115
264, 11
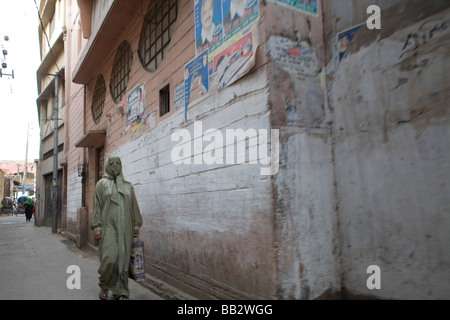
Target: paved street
34, 262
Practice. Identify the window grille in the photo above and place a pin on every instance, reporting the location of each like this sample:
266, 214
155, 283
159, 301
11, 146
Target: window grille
121, 71
156, 33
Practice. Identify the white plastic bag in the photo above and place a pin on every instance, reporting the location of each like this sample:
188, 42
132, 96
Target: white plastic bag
137, 271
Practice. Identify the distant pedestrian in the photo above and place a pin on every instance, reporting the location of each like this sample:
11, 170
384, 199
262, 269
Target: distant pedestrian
29, 206
115, 222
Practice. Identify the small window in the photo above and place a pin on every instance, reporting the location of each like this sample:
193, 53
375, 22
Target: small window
99, 99
156, 33
121, 71
164, 100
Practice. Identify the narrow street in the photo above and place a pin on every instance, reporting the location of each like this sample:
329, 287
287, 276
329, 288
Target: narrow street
34, 262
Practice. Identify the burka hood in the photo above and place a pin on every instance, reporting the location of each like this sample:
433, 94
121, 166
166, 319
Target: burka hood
114, 173
110, 170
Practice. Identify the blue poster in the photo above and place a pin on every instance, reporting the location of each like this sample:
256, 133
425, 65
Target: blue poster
196, 79
344, 38
208, 23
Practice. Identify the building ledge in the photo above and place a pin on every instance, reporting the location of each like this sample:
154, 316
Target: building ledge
49, 60
99, 46
93, 138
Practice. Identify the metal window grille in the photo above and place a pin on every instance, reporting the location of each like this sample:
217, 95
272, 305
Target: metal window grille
158, 29
99, 99
121, 71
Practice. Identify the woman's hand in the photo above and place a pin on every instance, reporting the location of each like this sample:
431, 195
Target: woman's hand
136, 233
98, 234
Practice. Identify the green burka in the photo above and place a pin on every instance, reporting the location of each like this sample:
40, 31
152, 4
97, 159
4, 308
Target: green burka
117, 215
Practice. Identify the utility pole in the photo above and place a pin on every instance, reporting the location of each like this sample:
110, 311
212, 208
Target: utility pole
54, 192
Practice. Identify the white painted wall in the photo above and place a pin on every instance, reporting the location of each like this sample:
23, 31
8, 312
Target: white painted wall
73, 195
208, 226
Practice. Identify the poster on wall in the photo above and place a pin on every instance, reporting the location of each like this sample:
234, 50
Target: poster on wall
238, 13
297, 58
134, 105
226, 36
196, 79
231, 63
344, 38
216, 18
208, 23
306, 6
179, 95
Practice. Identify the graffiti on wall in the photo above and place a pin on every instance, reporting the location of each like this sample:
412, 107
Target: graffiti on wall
428, 31
293, 57
299, 87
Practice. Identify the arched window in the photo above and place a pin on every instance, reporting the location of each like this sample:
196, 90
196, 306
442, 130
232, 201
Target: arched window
156, 33
121, 71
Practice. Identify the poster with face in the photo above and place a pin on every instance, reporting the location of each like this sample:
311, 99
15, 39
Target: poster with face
196, 78
344, 38
235, 12
208, 23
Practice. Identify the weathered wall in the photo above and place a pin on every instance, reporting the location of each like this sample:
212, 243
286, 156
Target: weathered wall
390, 96
345, 197
208, 228
304, 187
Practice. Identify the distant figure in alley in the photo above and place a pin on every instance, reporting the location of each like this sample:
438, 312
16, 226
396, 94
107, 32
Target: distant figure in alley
29, 209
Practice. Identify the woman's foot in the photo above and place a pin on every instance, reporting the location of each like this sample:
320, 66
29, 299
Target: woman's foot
103, 295
122, 297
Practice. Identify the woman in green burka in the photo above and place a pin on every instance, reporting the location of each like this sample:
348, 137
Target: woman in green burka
115, 222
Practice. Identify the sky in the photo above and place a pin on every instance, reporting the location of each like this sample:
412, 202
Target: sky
19, 21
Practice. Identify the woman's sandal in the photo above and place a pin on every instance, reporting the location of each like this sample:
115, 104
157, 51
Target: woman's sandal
122, 297
103, 295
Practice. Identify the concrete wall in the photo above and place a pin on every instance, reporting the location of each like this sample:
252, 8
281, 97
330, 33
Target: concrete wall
207, 228
304, 196
390, 97
362, 176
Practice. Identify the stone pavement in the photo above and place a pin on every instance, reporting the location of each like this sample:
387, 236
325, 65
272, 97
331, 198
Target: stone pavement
34, 262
